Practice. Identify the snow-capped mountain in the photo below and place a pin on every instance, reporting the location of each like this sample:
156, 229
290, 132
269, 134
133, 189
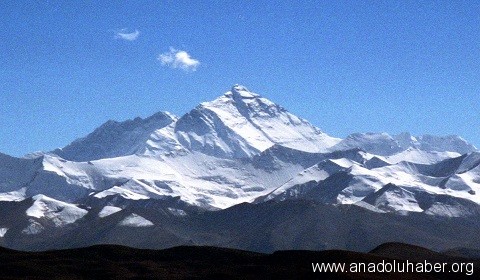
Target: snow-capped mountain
238, 124
238, 148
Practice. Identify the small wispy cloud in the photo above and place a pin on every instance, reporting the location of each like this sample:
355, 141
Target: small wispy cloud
178, 59
124, 34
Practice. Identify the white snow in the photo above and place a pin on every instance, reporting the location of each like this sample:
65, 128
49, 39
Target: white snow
316, 173
419, 156
122, 192
60, 213
108, 210
398, 199
177, 212
3, 231
18, 195
134, 220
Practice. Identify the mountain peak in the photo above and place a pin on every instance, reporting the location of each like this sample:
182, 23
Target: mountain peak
238, 87
241, 92
241, 123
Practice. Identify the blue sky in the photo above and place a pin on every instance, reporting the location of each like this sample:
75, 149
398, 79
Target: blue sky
346, 66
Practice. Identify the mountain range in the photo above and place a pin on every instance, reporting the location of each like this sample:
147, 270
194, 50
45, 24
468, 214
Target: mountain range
241, 171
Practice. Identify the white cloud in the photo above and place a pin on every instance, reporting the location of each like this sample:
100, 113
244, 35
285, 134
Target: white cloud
128, 36
178, 59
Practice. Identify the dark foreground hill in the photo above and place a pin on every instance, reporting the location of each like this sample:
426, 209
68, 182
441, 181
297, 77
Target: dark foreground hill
191, 262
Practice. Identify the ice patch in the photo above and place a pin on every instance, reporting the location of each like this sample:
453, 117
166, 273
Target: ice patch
60, 213
122, 192
134, 220
177, 212
13, 195
108, 210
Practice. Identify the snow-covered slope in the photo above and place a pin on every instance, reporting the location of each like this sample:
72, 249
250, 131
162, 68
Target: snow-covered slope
58, 212
115, 139
108, 210
446, 188
135, 220
197, 178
